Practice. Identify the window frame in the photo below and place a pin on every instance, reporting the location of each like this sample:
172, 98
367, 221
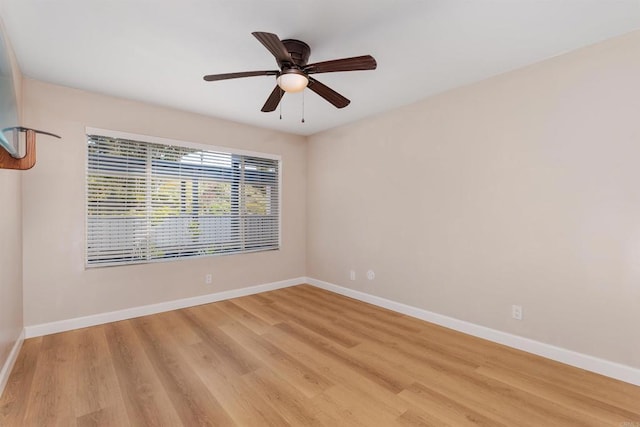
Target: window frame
178, 143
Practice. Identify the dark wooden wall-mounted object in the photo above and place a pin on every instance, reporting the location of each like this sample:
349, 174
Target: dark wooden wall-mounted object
9, 162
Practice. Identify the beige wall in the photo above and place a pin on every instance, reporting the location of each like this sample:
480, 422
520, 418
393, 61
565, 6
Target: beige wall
56, 284
11, 322
10, 262
522, 189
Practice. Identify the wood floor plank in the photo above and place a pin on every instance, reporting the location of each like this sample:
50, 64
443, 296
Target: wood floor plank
344, 305
146, 400
226, 348
295, 371
54, 370
96, 383
179, 328
337, 412
380, 377
364, 409
263, 311
415, 349
338, 373
450, 410
413, 418
281, 395
509, 405
602, 388
264, 297
212, 312
191, 399
248, 319
329, 417
589, 406
298, 356
13, 404
104, 417
315, 321
245, 404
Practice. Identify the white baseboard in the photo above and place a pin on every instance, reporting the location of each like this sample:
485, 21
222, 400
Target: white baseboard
11, 360
130, 313
590, 363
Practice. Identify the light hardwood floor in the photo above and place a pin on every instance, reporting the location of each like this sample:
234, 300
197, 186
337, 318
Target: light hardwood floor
298, 356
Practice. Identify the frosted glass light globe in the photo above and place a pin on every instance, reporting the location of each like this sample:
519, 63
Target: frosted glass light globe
292, 82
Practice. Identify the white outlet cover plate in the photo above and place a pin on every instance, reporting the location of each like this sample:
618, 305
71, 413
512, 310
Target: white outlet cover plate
516, 312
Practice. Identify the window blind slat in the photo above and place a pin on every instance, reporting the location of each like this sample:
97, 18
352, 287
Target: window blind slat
149, 202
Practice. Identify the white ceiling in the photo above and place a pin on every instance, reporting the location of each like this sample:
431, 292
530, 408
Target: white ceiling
158, 50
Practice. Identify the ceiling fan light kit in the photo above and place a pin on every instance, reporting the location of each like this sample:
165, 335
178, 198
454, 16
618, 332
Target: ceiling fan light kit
292, 81
294, 73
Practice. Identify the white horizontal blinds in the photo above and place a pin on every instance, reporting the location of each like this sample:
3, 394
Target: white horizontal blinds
116, 201
259, 208
174, 201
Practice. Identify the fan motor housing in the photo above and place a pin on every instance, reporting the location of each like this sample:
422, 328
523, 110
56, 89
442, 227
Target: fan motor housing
299, 51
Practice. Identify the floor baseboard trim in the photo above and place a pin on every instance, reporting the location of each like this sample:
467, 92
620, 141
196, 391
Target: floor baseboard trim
130, 313
11, 360
590, 363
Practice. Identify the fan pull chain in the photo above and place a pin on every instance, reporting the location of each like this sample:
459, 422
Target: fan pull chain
280, 104
303, 106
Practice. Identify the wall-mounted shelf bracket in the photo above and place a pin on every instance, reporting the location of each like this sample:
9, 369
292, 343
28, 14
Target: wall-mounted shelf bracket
9, 161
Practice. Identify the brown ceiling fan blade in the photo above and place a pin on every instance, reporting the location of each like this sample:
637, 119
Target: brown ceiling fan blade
366, 62
274, 45
273, 100
327, 93
227, 76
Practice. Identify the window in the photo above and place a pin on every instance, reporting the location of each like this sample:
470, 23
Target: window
149, 202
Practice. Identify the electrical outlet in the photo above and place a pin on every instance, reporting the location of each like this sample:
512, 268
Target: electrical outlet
371, 275
352, 275
208, 278
516, 312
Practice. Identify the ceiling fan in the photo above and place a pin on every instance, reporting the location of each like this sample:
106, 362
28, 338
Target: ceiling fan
294, 73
